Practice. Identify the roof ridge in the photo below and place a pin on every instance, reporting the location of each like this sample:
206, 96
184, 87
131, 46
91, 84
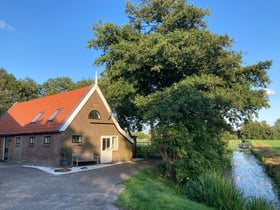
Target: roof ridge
53, 95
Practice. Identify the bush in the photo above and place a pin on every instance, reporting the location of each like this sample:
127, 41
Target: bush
161, 168
254, 203
190, 167
215, 191
189, 153
144, 151
274, 172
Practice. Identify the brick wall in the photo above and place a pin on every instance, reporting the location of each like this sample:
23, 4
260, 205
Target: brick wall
37, 152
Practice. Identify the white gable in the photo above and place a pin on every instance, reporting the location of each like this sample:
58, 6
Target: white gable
83, 101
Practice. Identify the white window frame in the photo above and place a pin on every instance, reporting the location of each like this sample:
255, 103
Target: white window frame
53, 116
94, 115
113, 143
32, 140
47, 139
18, 140
38, 116
77, 139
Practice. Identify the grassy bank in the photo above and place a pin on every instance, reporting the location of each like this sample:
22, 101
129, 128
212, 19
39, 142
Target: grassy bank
148, 191
268, 151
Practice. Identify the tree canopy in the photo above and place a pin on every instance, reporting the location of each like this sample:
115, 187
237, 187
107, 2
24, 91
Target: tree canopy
166, 42
14, 90
166, 68
260, 130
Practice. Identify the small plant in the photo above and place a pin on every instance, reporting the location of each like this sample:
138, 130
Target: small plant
254, 203
65, 153
144, 151
215, 191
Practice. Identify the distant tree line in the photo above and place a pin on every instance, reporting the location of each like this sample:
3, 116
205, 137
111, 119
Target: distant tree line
16, 90
260, 130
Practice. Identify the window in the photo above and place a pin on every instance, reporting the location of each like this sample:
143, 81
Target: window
32, 140
47, 140
56, 112
115, 143
76, 139
18, 140
37, 117
110, 143
106, 146
94, 115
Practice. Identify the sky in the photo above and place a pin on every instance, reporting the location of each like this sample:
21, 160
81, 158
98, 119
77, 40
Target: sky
44, 39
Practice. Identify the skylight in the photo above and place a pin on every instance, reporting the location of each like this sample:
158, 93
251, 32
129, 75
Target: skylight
37, 117
56, 112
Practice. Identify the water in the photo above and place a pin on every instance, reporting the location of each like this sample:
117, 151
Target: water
249, 176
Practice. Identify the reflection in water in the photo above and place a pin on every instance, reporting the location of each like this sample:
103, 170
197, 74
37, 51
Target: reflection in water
249, 176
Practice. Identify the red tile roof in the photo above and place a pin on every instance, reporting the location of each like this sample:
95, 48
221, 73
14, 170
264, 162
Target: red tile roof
18, 120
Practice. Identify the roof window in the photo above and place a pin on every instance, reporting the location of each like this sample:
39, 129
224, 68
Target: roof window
37, 117
56, 112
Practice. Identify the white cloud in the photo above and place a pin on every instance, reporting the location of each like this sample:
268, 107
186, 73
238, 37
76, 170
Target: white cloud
6, 27
269, 91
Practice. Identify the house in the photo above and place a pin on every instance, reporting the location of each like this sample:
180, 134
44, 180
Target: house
81, 120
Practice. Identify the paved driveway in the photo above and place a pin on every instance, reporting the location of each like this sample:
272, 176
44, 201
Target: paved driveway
29, 188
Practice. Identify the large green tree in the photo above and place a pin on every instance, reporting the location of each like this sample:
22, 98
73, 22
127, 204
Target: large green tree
8, 85
166, 42
276, 129
13, 90
56, 85
62, 84
165, 67
260, 130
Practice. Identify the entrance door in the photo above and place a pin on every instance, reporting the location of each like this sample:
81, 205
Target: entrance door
6, 148
106, 150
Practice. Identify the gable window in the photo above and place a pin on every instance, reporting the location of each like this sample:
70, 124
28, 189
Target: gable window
94, 115
37, 117
18, 140
47, 140
76, 139
56, 112
32, 140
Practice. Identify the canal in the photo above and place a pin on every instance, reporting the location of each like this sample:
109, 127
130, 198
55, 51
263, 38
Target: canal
250, 177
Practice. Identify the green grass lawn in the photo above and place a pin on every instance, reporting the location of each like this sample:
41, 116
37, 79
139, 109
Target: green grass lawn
147, 191
233, 144
268, 151
273, 145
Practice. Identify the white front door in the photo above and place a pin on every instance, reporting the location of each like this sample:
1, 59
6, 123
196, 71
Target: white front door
106, 149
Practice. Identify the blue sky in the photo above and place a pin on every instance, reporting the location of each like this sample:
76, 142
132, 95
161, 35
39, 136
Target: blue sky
47, 38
